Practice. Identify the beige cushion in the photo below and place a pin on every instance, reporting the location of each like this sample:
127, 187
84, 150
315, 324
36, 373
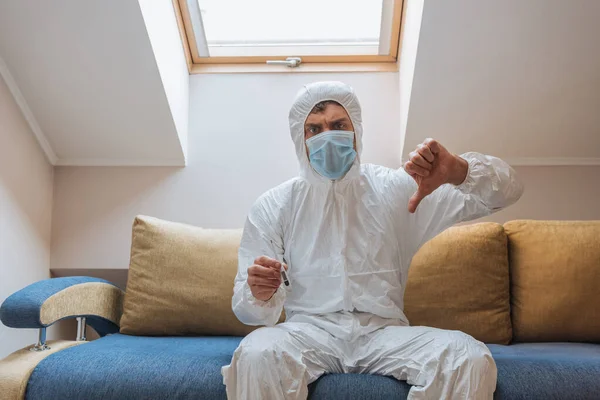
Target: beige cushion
180, 280
459, 280
16, 368
555, 270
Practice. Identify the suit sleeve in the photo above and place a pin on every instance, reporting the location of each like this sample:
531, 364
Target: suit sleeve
491, 185
262, 237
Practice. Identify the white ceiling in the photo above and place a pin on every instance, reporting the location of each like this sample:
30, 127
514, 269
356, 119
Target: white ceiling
520, 79
103, 82
87, 72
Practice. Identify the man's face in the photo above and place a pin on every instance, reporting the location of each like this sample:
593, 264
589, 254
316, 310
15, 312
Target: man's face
333, 118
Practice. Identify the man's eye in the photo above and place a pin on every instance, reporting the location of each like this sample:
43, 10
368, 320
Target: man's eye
340, 126
313, 129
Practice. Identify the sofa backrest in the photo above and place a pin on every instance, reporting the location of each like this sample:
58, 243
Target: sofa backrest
181, 281
555, 280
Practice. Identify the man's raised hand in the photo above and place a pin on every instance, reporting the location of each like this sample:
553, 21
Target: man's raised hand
431, 165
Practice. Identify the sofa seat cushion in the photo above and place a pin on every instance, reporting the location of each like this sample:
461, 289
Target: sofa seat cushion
355, 386
547, 371
526, 371
130, 367
135, 367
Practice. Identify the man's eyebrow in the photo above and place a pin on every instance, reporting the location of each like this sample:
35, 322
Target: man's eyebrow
335, 121
313, 125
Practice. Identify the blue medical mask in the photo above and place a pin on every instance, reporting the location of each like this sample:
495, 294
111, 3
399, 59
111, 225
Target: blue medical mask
332, 153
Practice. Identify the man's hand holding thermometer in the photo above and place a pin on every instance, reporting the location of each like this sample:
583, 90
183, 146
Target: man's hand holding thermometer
265, 277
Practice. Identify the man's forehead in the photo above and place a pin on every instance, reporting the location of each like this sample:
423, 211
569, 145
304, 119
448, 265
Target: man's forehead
331, 112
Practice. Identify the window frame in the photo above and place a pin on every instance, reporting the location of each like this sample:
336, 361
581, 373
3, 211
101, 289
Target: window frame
317, 63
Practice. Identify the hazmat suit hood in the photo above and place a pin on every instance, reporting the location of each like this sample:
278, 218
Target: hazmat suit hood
306, 99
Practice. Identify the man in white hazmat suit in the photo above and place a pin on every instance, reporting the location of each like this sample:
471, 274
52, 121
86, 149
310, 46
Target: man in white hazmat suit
346, 233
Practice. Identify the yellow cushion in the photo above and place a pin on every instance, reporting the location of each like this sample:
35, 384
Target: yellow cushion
459, 280
555, 271
180, 280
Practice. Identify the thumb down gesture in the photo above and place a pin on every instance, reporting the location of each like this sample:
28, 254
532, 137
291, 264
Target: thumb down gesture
431, 165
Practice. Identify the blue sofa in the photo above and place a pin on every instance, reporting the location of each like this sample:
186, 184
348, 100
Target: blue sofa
119, 366
563, 363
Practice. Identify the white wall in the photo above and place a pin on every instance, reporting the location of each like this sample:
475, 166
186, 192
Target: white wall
239, 146
409, 41
25, 212
563, 193
517, 78
163, 31
89, 74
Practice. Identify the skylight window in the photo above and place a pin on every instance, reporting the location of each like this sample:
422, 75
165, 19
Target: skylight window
309, 31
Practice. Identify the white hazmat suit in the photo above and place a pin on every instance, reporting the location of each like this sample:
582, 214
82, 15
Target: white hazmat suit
348, 245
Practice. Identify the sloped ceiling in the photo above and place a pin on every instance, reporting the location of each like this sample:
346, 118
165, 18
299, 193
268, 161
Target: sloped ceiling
88, 74
519, 79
